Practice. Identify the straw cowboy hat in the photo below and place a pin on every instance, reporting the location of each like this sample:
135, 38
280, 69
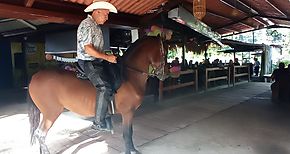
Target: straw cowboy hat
101, 5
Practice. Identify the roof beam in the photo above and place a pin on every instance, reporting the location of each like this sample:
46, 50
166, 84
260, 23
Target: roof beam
242, 7
19, 12
63, 4
167, 7
271, 17
6, 20
256, 12
271, 3
40, 29
28, 3
27, 24
261, 22
234, 22
230, 18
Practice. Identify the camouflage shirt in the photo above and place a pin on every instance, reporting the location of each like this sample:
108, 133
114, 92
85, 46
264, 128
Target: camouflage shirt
89, 32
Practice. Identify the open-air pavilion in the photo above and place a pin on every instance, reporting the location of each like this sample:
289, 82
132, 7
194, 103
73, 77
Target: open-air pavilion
216, 109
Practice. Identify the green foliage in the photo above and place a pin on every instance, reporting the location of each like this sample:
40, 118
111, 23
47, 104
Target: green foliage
275, 35
172, 53
276, 65
286, 62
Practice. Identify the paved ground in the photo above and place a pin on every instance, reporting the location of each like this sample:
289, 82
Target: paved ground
240, 120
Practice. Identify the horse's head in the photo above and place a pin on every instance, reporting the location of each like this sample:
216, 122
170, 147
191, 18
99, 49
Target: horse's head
157, 62
147, 56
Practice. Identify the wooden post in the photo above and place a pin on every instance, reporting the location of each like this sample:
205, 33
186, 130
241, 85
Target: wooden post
206, 75
160, 90
234, 75
229, 76
249, 74
196, 80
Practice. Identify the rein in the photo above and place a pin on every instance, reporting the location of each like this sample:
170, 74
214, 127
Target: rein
137, 71
151, 73
153, 70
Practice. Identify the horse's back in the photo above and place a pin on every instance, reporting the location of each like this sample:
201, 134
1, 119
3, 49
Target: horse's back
54, 79
61, 88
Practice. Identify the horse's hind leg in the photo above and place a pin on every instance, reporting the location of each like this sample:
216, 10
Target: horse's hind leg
41, 131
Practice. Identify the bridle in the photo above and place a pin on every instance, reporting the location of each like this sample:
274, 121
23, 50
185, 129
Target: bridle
158, 71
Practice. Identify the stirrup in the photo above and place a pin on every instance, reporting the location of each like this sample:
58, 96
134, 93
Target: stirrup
107, 126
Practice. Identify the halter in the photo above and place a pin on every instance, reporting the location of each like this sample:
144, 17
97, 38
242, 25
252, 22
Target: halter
158, 71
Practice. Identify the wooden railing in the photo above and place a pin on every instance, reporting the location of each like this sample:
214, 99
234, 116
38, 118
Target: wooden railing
213, 70
172, 86
238, 73
231, 75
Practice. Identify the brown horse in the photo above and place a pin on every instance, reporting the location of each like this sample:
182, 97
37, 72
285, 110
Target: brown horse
53, 90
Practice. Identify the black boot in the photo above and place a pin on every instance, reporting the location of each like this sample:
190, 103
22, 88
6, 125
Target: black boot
102, 120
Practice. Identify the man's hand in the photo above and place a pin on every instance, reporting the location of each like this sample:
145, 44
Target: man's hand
48, 57
111, 58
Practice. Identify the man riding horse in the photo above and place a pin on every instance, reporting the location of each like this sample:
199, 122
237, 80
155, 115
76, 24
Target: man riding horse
91, 58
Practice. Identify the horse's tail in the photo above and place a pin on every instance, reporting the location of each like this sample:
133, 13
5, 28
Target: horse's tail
34, 117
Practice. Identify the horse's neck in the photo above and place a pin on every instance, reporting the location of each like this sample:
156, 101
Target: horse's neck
137, 69
137, 80
139, 62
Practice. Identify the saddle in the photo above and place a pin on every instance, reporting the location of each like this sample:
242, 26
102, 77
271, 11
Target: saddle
80, 73
114, 72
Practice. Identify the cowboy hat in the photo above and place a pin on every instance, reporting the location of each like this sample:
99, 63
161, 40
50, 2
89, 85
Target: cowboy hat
101, 5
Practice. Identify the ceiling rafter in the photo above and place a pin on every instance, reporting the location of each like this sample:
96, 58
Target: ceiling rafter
274, 5
237, 4
28, 3
13, 11
227, 17
230, 30
259, 13
6, 20
260, 21
234, 22
236, 15
167, 7
63, 4
278, 18
222, 17
246, 9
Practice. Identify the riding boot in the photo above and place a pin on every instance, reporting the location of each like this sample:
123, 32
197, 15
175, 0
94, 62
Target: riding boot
102, 120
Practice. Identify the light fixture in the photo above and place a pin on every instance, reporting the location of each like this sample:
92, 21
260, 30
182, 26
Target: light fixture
199, 8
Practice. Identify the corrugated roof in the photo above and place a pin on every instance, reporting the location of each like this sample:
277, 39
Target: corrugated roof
223, 16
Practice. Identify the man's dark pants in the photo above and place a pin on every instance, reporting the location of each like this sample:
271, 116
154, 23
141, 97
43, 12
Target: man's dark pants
97, 74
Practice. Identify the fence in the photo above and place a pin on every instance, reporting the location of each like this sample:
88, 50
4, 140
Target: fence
180, 82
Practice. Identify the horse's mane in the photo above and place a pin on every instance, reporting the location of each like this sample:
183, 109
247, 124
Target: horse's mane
132, 48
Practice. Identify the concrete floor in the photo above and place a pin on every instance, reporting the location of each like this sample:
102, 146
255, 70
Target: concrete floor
235, 120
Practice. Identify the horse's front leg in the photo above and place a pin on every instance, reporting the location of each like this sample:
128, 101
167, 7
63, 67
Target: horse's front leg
128, 133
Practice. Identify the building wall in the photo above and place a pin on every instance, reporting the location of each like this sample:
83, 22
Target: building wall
18, 64
6, 80
35, 57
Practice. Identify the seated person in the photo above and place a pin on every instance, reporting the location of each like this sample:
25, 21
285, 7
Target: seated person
236, 62
280, 88
175, 68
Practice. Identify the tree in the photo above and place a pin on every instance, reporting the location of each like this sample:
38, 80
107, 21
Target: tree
274, 36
